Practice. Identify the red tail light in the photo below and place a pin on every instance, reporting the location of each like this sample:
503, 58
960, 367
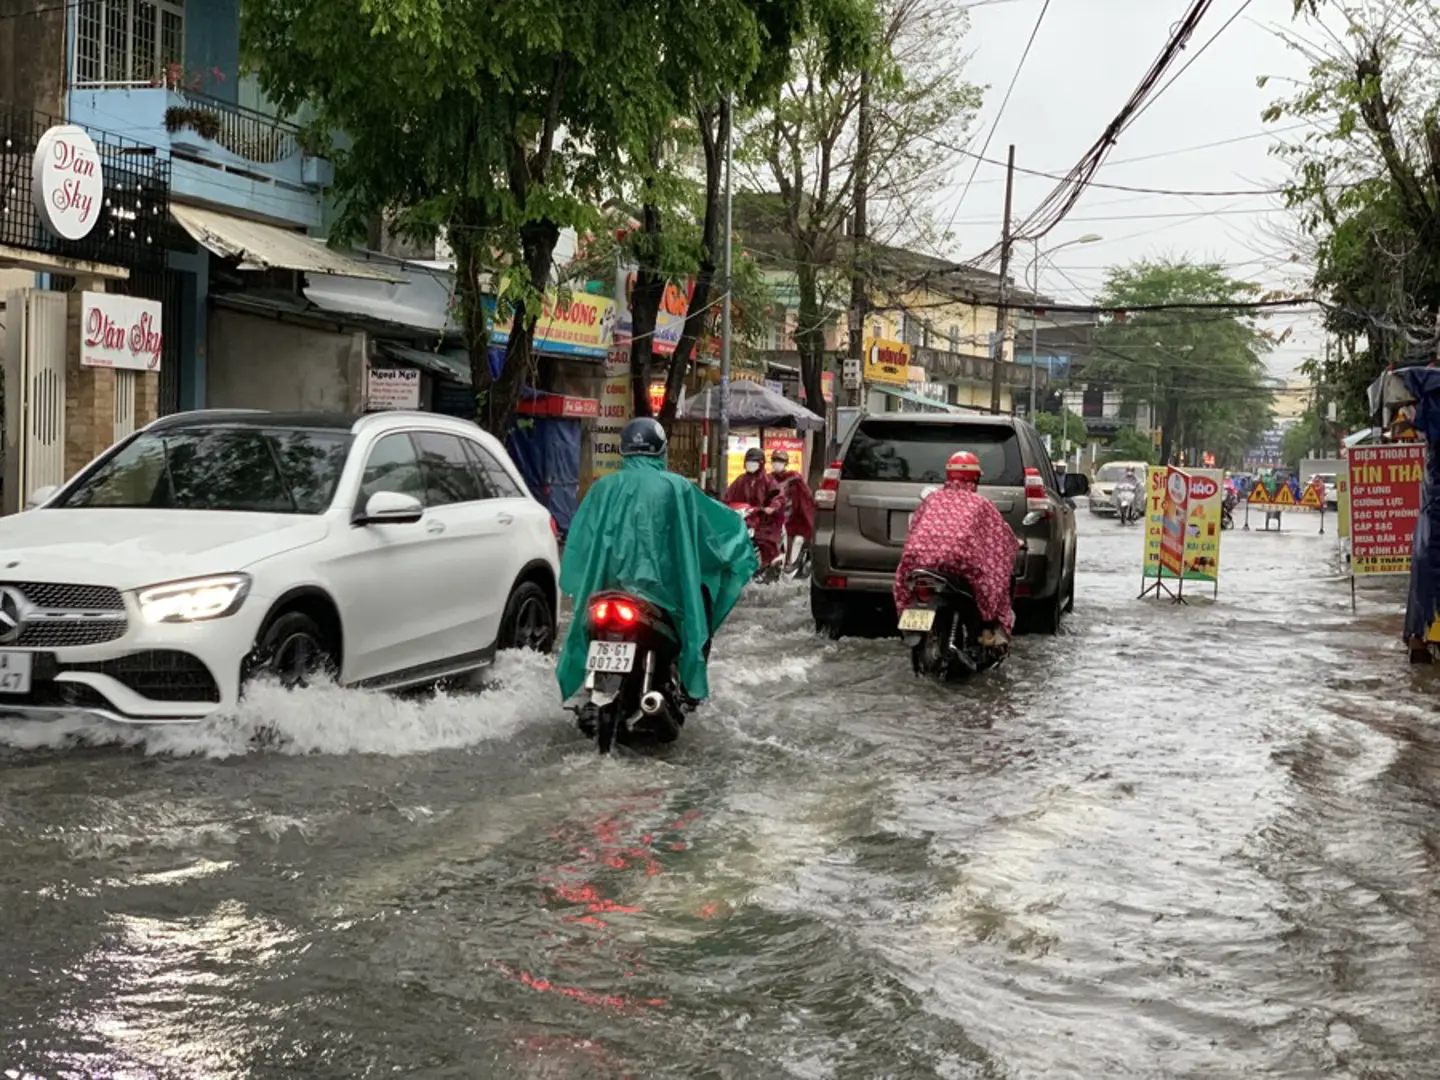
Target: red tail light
1035, 500
554, 528
924, 592
613, 612
829, 487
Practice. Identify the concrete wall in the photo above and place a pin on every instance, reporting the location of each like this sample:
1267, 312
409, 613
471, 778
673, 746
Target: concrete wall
260, 362
33, 54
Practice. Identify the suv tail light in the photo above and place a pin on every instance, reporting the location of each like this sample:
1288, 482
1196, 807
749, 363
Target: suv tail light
1035, 500
829, 487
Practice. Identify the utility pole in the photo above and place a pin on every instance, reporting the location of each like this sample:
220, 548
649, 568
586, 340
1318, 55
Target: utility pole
1002, 314
1035, 328
859, 229
723, 457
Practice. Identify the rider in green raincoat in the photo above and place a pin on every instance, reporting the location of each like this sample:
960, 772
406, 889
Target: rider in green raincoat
653, 534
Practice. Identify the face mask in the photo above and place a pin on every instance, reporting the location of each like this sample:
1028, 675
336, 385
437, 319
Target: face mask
752, 466
777, 467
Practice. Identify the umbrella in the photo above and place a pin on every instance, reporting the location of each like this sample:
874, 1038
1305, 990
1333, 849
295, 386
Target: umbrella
752, 405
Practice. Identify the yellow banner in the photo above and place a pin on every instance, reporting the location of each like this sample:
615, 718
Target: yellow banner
1202, 533
1342, 497
614, 413
887, 362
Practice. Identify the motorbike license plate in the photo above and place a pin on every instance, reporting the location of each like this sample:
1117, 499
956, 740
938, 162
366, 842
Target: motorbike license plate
918, 619
611, 657
15, 672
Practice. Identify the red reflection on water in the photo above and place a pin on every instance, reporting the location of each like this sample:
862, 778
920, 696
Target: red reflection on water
575, 993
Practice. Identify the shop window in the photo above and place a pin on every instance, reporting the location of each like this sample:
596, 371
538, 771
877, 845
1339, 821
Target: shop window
128, 42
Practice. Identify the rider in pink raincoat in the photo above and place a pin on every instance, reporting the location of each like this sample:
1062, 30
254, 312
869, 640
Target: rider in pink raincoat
958, 531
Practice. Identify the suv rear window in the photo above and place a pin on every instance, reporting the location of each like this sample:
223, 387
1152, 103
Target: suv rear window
889, 450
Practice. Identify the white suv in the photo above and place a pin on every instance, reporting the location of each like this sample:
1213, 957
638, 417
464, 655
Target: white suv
394, 549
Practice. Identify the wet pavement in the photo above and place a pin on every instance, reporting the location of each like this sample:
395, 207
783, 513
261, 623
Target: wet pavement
1172, 842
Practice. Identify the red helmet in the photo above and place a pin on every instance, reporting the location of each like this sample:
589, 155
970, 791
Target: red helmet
964, 466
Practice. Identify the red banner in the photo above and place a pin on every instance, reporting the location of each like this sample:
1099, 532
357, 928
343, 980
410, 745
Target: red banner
1175, 519
1384, 506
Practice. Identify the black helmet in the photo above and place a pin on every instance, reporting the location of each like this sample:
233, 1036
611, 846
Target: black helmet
643, 437
755, 454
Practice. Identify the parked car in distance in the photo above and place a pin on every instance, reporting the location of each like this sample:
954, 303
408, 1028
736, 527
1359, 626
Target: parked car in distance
394, 549
1102, 491
887, 465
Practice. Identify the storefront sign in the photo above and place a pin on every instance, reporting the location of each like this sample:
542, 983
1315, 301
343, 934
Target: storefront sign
393, 388
67, 182
887, 362
614, 413
669, 322
560, 406
585, 326
1385, 483
1202, 528
120, 332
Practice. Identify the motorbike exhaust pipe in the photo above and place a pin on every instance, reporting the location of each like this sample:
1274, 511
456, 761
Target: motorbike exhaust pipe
652, 703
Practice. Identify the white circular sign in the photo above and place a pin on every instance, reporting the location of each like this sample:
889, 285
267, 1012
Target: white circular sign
68, 183
1177, 487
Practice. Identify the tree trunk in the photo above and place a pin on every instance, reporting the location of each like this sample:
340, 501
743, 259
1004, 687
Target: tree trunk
646, 296
537, 242
473, 317
1167, 431
697, 314
810, 341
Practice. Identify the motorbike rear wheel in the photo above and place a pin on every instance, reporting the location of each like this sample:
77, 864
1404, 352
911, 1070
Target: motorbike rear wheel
606, 726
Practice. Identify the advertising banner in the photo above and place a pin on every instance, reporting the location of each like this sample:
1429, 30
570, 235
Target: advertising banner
1385, 485
669, 322
583, 327
393, 388
887, 362
1342, 495
1204, 498
614, 412
1174, 511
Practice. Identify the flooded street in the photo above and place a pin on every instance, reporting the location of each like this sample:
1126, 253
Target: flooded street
1173, 842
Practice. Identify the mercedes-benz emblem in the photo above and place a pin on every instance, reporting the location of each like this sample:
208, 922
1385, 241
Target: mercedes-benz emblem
13, 609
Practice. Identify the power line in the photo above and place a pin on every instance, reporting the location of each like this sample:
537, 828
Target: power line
1198, 53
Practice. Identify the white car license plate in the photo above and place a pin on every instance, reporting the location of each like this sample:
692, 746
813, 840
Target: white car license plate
917, 619
611, 657
15, 672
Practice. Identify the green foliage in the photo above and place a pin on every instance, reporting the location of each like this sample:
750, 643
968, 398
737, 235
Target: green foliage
1203, 369
1066, 430
1131, 445
1302, 437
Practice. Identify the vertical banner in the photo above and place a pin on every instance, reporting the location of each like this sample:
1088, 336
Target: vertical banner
1174, 520
1385, 492
1342, 496
614, 412
1205, 497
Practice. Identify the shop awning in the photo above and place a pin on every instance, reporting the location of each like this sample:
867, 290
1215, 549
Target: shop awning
451, 364
917, 399
262, 247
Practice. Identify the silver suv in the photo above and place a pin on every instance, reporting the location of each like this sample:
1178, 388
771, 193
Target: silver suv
888, 464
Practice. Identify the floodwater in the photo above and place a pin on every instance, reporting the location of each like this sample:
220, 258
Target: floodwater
1190, 841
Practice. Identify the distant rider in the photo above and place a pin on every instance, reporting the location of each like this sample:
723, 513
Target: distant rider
799, 502
647, 532
760, 493
958, 531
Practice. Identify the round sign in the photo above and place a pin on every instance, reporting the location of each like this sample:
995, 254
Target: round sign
1177, 487
68, 183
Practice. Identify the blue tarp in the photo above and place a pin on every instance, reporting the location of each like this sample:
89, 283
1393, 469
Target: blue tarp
547, 452
1424, 601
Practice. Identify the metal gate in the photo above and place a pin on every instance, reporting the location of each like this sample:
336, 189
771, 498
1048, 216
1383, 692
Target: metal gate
35, 339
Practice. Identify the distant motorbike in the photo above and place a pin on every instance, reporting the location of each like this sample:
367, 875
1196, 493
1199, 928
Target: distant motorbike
1127, 503
632, 682
775, 569
1227, 510
942, 628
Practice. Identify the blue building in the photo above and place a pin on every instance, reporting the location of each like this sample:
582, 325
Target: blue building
244, 192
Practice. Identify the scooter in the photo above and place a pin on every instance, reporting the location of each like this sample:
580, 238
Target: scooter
942, 628
1227, 511
1127, 508
632, 682
775, 569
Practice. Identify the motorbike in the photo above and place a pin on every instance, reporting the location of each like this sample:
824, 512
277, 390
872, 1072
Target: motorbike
942, 627
1227, 510
775, 569
632, 682
1127, 504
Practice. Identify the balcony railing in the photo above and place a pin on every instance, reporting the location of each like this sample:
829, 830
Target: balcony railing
246, 133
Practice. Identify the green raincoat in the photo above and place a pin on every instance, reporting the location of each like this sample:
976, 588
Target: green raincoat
655, 535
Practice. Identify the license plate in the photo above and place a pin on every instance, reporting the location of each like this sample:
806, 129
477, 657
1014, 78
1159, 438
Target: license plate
15, 672
919, 619
611, 657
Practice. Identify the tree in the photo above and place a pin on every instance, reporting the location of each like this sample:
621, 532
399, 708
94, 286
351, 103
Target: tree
1200, 368
1065, 428
907, 66
1302, 438
500, 122
1131, 445
1367, 183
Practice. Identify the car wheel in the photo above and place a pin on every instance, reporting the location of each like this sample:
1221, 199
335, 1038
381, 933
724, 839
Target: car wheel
830, 615
293, 650
1070, 592
528, 622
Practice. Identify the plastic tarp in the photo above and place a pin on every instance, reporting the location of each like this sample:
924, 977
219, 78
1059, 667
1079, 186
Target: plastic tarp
655, 535
1423, 604
547, 452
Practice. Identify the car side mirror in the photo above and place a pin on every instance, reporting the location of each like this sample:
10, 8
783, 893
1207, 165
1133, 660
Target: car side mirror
391, 508
1075, 485
41, 495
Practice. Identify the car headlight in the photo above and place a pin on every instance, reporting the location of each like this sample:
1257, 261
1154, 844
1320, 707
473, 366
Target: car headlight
194, 600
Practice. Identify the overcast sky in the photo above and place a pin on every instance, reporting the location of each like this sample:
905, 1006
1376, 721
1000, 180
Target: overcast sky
1088, 57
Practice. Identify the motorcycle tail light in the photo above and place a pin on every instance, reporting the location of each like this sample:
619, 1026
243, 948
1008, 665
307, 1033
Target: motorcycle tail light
625, 613
613, 613
600, 613
924, 592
